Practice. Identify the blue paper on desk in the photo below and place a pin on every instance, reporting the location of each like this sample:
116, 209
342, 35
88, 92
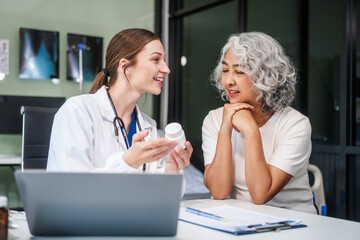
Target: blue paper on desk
236, 220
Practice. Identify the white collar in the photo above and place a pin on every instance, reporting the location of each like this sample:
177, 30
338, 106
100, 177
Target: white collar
108, 113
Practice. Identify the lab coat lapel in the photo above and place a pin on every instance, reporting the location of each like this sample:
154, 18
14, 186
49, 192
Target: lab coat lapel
108, 115
104, 104
145, 125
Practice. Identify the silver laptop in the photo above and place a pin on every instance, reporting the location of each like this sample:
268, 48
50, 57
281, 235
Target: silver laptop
100, 204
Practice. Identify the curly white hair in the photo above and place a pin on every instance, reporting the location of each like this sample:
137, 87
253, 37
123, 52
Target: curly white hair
269, 69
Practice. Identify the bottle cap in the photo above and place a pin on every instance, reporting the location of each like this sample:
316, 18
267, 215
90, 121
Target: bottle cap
173, 130
3, 201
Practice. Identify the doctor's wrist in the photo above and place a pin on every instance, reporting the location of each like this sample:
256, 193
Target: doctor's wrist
130, 161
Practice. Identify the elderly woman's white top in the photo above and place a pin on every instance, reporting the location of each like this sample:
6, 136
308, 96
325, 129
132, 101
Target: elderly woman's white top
287, 146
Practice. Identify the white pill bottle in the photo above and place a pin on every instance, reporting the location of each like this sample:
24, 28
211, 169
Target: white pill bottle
174, 132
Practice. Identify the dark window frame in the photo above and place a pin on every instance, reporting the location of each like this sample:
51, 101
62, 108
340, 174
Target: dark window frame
346, 149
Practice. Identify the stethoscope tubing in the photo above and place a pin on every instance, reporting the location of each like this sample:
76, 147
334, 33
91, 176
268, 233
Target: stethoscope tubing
122, 125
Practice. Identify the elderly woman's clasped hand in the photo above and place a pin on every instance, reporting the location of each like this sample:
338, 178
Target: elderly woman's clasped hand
233, 115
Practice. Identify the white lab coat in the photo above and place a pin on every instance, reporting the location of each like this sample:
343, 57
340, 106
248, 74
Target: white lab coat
83, 137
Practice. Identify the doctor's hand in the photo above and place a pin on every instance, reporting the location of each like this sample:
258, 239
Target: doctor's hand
142, 151
179, 158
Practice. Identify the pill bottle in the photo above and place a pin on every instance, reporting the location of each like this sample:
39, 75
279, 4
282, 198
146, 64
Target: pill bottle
4, 218
174, 132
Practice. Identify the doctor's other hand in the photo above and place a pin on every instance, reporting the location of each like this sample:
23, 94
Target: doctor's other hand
147, 151
179, 158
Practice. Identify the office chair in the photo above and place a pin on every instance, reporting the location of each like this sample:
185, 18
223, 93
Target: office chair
37, 124
318, 190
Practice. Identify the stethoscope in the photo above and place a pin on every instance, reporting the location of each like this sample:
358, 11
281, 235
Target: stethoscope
122, 125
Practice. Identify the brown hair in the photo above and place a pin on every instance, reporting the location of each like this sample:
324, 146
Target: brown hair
125, 44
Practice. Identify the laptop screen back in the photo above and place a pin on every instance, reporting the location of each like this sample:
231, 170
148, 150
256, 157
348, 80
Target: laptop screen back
100, 204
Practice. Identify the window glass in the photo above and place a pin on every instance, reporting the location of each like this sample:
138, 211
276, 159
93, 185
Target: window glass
188, 4
281, 20
354, 188
203, 37
326, 41
357, 80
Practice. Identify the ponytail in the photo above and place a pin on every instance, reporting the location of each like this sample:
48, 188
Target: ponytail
100, 80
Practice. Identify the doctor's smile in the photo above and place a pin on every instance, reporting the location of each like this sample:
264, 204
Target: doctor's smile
159, 81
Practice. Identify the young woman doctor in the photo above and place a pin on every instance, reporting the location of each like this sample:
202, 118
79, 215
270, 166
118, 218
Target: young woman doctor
105, 130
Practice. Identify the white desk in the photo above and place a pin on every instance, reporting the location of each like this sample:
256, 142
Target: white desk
319, 227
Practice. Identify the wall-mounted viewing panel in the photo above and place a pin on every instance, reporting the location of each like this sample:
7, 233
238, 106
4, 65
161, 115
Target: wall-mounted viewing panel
39, 54
92, 55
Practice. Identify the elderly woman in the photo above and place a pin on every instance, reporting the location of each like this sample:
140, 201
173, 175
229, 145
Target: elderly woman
257, 147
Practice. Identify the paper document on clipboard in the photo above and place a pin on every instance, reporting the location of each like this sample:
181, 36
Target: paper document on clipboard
238, 221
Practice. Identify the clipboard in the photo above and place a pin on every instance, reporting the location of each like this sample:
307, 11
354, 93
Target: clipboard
237, 221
